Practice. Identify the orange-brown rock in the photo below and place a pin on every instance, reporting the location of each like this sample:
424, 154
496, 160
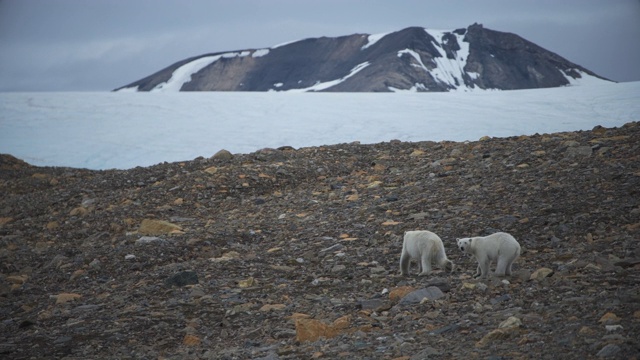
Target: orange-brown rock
157, 227
312, 329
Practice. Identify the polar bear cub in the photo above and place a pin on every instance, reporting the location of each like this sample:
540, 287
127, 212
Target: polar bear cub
500, 247
425, 248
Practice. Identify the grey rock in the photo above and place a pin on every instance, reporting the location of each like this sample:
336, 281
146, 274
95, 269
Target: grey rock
182, 278
144, 240
441, 283
415, 297
57, 261
371, 304
500, 299
62, 340
7, 348
95, 264
82, 308
181, 219
418, 216
625, 263
338, 268
427, 353
481, 287
335, 247
579, 151
444, 329
197, 292
222, 155
608, 351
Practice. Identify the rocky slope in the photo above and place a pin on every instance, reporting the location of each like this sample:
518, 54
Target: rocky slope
414, 58
293, 253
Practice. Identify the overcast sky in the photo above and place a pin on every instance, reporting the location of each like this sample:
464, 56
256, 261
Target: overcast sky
99, 45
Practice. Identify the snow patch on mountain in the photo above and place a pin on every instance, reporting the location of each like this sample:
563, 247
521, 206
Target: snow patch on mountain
473, 75
416, 56
327, 84
260, 53
585, 79
284, 44
183, 74
129, 89
415, 88
372, 39
450, 71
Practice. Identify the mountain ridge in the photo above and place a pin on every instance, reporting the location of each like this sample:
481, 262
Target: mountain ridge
414, 58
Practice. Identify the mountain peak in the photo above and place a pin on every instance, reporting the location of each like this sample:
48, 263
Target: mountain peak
411, 59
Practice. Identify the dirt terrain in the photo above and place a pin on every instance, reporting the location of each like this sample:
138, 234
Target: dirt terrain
294, 253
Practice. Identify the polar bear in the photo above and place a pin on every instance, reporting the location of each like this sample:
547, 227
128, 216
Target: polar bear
424, 247
500, 247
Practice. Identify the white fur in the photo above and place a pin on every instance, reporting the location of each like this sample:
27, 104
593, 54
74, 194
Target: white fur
500, 247
425, 248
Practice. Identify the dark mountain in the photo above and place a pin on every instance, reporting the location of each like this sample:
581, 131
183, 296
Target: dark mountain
414, 58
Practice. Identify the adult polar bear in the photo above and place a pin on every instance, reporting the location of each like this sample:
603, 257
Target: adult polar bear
500, 247
425, 248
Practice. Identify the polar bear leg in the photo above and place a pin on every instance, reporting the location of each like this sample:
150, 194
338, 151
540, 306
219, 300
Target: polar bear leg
507, 271
501, 267
478, 271
484, 268
405, 262
425, 262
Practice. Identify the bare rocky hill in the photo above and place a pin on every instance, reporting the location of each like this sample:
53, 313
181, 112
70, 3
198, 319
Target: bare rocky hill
410, 59
293, 253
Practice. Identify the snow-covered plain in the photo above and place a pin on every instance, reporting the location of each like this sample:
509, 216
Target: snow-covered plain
125, 129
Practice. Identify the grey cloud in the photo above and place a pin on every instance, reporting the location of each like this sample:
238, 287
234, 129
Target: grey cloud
67, 45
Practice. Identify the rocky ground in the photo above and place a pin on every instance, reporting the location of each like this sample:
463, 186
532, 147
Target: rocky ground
293, 253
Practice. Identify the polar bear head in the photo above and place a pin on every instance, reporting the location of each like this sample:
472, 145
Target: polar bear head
464, 244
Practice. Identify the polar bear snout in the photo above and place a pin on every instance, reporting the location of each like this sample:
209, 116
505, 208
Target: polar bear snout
463, 244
